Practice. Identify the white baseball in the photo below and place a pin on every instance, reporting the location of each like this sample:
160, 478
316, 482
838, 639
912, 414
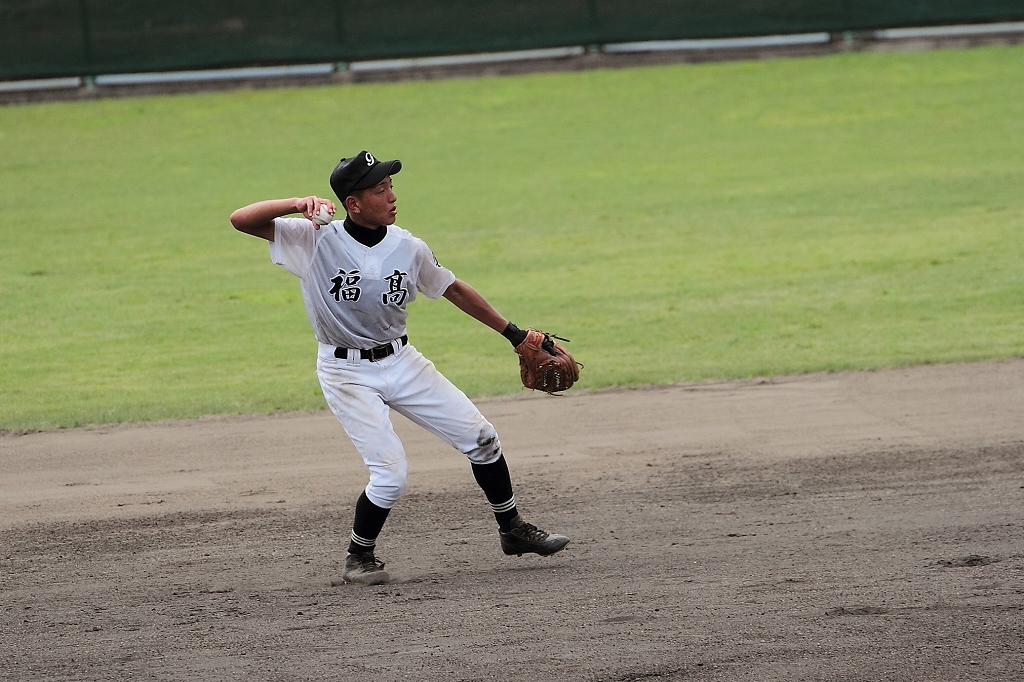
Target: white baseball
324, 216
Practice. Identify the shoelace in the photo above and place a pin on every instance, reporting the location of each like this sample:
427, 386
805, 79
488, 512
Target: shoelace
532, 532
370, 563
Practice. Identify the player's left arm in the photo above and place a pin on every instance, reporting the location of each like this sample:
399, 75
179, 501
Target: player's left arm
470, 301
544, 364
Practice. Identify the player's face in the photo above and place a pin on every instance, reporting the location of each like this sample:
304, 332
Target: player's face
375, 205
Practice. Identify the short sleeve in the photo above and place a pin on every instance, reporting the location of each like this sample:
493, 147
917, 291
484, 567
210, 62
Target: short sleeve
293, 245
433, 279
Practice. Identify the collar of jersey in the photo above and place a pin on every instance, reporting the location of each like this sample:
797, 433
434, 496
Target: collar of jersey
364, 235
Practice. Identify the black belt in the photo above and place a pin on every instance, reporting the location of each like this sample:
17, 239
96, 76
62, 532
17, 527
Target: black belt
373, 354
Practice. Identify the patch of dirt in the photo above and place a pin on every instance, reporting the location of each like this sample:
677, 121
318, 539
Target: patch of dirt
967, 561
854, 526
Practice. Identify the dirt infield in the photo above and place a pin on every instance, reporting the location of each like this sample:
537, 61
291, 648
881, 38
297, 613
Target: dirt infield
856, 526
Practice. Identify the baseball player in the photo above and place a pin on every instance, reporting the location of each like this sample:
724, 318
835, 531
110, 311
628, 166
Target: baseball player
358, 276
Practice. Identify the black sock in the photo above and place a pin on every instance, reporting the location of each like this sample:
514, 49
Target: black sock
496, 483
369, 520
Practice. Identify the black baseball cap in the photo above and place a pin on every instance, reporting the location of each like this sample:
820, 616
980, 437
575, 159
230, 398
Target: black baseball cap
359, 172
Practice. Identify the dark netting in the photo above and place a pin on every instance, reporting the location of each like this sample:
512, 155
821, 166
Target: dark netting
81, 37
41, 38
628, 20
459, 26
163, 34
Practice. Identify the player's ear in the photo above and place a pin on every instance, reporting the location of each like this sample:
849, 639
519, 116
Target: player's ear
351, 204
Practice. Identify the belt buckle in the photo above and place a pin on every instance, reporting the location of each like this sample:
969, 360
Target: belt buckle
379, 353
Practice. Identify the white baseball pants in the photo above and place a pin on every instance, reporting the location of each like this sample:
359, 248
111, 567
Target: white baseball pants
361, 394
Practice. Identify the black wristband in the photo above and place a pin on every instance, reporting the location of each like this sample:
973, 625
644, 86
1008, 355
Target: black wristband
514, 334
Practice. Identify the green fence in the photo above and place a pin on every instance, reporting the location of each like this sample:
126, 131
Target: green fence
43, 38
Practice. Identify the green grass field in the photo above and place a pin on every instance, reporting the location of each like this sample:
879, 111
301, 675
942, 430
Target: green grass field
677, 223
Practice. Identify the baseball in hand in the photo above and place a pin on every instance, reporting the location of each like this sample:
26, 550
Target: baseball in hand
324, 216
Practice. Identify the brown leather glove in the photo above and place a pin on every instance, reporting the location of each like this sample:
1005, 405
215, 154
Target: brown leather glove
545, 365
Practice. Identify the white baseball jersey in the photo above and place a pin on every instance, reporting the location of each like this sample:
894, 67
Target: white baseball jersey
356, 295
